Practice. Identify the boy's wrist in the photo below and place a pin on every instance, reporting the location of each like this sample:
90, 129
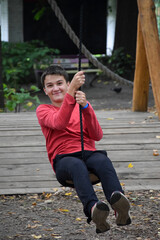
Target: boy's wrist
86, 106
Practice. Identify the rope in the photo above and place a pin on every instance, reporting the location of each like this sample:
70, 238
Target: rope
113, 76
79, 68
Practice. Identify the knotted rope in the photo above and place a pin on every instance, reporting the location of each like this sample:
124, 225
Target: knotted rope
111, 75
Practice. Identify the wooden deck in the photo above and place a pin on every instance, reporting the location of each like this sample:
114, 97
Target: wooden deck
128, 138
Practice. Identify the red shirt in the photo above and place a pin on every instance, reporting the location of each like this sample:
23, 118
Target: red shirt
61, 127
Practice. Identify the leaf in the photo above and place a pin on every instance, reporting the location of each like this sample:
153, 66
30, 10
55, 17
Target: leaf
110, 118
158, 137
122, 184
36, 236
130, 165
34, 204
68, 194
55, 235
48, 195
63, 210
29, 104
155, 152
78, 219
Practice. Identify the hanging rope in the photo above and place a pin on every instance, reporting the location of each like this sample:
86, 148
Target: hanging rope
113, 76
79, 68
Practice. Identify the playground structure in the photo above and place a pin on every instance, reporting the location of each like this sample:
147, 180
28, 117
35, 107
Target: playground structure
147, 57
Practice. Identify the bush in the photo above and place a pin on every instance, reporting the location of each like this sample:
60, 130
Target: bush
119, 62
18, 61
15, 100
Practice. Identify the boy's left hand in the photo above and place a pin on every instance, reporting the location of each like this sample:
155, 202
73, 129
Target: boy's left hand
81, 98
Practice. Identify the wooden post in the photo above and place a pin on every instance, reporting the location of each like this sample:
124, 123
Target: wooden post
1, 83
141, 76
152, 45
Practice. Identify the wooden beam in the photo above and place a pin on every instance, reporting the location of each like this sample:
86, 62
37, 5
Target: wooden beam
152, 45
141, 77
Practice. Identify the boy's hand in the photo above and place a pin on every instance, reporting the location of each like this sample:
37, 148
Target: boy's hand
81, 98
77, 81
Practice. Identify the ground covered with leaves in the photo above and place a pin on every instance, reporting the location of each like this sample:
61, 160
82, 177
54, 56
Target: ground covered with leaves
59, 215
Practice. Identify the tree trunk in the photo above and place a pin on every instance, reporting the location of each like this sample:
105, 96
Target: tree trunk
141, 77
152, 46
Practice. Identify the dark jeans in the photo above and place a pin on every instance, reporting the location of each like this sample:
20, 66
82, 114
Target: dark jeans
72, 167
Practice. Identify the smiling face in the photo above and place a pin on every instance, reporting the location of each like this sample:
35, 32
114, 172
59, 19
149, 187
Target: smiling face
55, 86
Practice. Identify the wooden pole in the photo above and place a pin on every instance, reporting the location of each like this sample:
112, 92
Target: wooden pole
1, 83
141, 76
152, 45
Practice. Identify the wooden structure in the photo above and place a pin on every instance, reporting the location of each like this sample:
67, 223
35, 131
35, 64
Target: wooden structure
129, 139
147, 57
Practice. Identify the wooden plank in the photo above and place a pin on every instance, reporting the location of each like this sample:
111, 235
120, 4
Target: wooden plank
29, 190
48, 177
107, 139
25, 168
142, 184
106, 130
114, 155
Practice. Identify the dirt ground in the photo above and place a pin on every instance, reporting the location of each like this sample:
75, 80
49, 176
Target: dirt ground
60, 215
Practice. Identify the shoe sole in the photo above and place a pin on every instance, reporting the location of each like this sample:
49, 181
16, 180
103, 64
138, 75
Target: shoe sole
100, 214
121, 205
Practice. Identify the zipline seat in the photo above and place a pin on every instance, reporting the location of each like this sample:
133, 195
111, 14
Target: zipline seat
93, 178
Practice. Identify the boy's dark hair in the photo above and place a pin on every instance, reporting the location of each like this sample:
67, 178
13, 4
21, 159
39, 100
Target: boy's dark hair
54, 70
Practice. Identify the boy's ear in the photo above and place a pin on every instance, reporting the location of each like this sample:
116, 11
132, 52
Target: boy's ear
45, 91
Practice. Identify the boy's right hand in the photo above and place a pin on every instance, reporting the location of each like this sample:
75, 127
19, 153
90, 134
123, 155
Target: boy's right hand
77, 81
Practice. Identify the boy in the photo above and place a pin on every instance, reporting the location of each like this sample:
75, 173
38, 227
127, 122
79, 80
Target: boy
61, 127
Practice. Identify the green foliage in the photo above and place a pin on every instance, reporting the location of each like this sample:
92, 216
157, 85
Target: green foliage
14, 100
18, 60
119, 62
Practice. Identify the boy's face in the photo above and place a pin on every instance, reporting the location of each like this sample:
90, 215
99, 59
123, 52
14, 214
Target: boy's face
55, 86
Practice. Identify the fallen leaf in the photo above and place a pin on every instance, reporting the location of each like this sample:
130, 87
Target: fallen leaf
157, 136
34, 204
155, 152
63, 210
78, 219
130, 165
36, 236
68, 194
110, 118
122, 184
132, 122
48, 195
56, 236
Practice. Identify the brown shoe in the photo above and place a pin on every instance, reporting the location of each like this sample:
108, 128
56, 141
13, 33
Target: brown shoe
99, 214
120, 204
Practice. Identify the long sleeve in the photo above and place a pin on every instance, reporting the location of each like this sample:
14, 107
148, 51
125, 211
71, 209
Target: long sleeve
56, 118
93, 127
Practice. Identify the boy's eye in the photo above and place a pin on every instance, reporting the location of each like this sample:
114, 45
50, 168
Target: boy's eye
59, 83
